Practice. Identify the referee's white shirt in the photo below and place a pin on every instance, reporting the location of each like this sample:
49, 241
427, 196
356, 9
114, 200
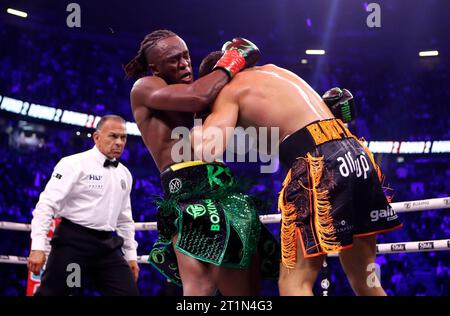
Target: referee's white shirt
86, 193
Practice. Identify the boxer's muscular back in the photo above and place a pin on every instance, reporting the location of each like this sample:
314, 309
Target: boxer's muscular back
156, 128
275, 97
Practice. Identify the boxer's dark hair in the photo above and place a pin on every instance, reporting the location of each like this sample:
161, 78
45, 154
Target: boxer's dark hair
208, 63
138, 66
108, 117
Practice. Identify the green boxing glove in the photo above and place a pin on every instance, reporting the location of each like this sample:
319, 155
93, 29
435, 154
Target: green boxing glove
341, 103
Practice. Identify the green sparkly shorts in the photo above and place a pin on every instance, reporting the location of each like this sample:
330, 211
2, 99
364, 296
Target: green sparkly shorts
215, 223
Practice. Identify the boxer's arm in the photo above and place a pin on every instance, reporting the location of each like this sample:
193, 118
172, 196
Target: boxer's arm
50, 201
126, 230
210, 139
126, 227
155, 93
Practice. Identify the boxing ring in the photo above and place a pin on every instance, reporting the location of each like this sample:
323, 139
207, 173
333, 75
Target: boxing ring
386, 248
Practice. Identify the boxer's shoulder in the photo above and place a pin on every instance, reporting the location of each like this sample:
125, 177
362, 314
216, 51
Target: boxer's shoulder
257, 70
148, 82
143, 88
269, 67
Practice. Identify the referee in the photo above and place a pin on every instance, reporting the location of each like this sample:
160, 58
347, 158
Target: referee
90, 191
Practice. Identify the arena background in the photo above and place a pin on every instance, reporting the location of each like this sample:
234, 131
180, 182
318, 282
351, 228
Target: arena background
400, 96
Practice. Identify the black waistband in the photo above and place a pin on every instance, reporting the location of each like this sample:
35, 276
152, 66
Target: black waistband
308, 138
184, 177
97, 233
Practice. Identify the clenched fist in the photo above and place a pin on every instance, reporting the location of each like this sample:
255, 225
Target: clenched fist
36, 261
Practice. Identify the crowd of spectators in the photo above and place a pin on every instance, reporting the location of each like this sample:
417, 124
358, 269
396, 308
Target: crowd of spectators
87, 76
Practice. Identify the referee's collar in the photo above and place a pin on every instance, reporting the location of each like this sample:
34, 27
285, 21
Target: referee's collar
99, 156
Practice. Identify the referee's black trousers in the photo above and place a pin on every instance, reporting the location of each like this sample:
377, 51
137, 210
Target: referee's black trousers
78, 254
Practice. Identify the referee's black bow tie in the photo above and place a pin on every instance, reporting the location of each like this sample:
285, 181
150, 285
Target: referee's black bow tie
113, 163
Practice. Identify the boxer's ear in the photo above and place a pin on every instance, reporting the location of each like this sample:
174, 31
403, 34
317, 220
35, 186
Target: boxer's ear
154, 69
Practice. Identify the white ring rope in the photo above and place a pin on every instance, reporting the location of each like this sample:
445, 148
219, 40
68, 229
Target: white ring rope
399, 207
399, 247
388, 248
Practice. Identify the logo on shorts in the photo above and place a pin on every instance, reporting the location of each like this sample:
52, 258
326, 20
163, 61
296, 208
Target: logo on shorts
57, 175
325, 284
426, 245
398, 247
360, 166
196, 210
344, 227
388, 213
175, 185
158, 256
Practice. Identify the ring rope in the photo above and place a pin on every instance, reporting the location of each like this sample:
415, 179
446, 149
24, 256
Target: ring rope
399, 207
388, 248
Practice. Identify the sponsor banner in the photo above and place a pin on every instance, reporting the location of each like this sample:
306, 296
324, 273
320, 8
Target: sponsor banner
426, 245
398, 247
51, 114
